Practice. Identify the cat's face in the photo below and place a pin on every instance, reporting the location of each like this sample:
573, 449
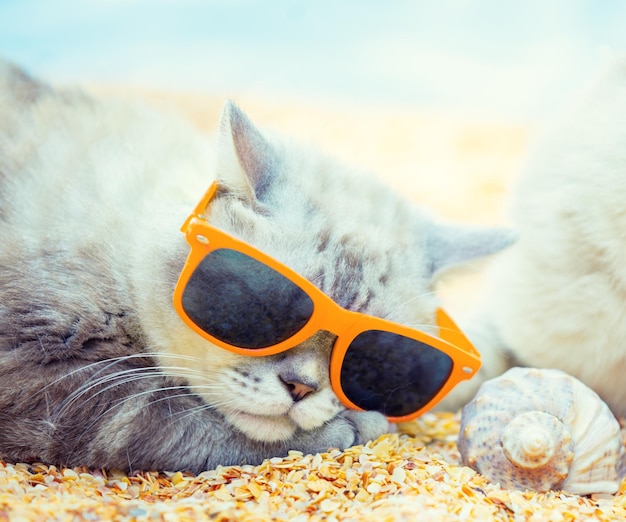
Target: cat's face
363, 245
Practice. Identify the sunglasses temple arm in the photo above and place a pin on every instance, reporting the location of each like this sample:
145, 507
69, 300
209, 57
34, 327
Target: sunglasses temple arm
450, 332
199, 211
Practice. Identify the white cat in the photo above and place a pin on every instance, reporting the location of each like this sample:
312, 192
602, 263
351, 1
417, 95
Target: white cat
557, 298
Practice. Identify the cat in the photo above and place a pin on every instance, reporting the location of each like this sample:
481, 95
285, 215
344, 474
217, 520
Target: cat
557, 297
96, 367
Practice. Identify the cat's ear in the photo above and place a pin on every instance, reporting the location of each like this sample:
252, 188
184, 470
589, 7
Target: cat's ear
450, 245
244, 157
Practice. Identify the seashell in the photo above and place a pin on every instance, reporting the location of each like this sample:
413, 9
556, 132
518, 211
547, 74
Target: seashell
542, 430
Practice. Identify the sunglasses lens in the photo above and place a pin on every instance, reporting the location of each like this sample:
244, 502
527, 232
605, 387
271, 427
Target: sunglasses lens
244, 302
392, 374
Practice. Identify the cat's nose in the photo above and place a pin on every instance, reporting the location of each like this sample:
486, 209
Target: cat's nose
296, 388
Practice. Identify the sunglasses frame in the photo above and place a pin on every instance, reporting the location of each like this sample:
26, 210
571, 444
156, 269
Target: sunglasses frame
327, 315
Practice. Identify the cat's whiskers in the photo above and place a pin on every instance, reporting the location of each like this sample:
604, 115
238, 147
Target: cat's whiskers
133, 397
90, 384
223, 406
182, 414
108, 363
121, 378
425, 327
408, 302
124, 400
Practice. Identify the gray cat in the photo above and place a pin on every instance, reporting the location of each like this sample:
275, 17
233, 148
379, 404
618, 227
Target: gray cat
96, 366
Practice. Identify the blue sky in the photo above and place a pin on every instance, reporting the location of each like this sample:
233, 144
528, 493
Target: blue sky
495, 57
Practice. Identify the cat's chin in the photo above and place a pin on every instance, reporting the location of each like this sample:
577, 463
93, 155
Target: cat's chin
263, 427
273, 428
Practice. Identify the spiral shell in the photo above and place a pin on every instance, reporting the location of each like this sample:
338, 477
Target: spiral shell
542, 430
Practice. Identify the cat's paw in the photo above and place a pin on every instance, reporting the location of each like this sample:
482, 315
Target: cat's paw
349, 428
367, 425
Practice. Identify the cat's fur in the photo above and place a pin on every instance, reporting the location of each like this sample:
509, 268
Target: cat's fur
96, 368
557, 298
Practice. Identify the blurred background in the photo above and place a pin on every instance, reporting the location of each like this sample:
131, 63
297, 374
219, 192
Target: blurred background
440, 98
496, 58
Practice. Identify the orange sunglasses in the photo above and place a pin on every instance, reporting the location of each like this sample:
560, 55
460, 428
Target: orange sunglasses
243, 300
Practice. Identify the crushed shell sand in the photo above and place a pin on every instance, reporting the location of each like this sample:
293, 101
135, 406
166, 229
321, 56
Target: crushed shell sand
397, 477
